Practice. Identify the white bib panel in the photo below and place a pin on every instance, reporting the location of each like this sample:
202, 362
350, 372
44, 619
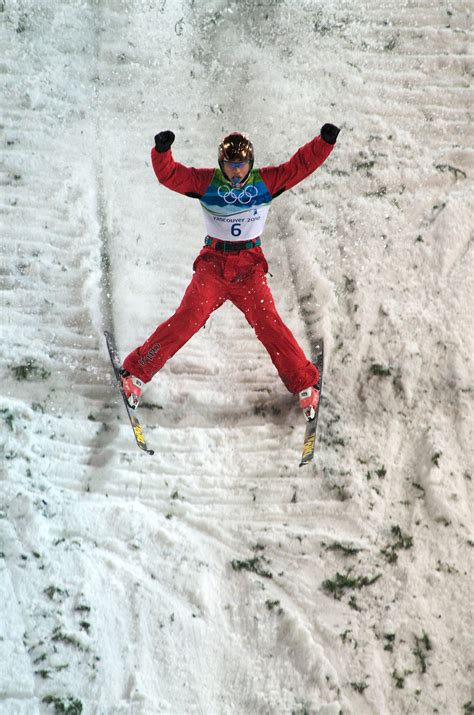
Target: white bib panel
243, 226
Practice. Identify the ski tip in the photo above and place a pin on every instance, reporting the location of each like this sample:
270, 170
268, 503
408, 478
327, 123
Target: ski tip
150, 451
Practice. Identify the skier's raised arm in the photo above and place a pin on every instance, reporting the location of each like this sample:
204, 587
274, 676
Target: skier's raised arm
183, 179
306, 160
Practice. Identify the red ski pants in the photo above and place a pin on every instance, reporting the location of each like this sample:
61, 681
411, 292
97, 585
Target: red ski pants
240, 278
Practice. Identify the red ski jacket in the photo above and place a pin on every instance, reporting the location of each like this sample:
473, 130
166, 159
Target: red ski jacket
195, 182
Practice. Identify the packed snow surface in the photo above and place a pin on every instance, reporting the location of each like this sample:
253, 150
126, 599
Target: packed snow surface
217, 577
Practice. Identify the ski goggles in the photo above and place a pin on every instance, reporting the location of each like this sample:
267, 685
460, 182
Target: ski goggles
236, 164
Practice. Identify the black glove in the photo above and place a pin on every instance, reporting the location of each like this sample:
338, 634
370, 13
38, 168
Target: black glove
163, 141
329, 133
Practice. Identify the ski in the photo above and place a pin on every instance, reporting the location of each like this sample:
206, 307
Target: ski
310, 433
134, 421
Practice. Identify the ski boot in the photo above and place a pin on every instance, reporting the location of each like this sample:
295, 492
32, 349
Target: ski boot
309, 401
132, 388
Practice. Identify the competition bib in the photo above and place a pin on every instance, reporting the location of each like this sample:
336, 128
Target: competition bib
235, 213
238, 227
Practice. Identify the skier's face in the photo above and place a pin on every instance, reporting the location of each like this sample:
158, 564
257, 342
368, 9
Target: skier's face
235, 171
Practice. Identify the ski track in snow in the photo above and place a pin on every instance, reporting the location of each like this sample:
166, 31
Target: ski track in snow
192, 582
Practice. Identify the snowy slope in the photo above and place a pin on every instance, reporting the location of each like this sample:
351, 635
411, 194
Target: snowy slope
217, 577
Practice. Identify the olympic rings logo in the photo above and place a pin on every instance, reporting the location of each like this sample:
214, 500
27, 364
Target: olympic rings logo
244, 196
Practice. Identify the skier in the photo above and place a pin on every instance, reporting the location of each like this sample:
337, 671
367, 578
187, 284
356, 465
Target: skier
231, 265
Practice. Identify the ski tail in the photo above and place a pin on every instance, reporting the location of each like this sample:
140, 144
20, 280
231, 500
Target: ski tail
134, 421
311, 426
